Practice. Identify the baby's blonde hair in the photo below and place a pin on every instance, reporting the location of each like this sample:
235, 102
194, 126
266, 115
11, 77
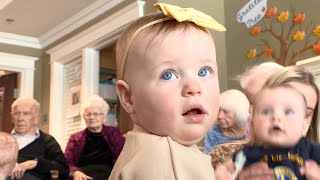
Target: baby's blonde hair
255, 73
160, 29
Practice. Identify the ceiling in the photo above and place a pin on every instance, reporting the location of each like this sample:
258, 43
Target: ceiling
37, 23
36, 17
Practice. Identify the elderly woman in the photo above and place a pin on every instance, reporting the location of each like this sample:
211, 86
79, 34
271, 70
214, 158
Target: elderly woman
232, 119
92, 152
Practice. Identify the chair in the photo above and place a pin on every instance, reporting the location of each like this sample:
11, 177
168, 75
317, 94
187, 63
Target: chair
223, 152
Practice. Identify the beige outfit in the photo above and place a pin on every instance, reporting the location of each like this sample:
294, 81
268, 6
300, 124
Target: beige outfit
149, 157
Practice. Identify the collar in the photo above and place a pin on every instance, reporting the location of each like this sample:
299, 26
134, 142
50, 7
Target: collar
36, 133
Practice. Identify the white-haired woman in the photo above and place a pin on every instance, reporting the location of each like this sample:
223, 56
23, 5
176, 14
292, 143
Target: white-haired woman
232, 119
92, 152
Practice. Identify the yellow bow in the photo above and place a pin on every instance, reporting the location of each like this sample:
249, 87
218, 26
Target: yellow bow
190, 14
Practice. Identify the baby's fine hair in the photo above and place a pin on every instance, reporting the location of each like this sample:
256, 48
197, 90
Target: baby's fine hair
255, 72
158, 30
300, 75
235, 101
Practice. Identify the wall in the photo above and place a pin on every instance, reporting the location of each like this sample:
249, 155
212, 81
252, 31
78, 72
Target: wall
44, 87
239, 41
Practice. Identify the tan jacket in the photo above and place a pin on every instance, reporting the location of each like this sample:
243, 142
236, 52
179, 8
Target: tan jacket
149, 157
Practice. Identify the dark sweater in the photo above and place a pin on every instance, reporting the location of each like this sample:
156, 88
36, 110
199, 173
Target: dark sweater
286, 162
49, 155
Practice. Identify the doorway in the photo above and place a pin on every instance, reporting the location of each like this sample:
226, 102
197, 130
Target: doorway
8, 85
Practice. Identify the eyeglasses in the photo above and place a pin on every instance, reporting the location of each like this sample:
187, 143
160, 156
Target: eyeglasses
17, 114
93, 114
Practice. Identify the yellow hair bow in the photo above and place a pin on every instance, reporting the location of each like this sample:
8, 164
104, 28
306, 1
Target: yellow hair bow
189, 14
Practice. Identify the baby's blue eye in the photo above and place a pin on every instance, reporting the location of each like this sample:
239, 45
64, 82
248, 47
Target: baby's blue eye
204, 72
266, 112
288, 112
169, 75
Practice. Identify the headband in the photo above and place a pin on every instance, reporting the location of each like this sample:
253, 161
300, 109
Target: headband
174, 13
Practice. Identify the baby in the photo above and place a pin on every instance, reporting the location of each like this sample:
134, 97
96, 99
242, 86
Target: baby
279, 122
8, 154
168, 83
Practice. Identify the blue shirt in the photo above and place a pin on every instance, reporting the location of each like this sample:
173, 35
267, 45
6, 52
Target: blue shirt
215, 137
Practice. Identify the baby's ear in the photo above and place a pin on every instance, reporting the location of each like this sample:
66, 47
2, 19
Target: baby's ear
124, 94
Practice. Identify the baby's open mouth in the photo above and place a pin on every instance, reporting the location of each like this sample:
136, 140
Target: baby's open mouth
276, 129
193, 112
194, 115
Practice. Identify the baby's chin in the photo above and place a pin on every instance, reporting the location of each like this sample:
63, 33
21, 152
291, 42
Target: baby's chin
272, 145
187, 142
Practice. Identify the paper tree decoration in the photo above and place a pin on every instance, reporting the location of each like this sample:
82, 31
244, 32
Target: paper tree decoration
283, 36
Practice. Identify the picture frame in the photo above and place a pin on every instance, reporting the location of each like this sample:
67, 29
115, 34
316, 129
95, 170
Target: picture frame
73, 105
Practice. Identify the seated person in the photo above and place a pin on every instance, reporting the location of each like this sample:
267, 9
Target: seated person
229, 134
8, 154
306, 83
39, 153
92, 152
278, 128
232, 119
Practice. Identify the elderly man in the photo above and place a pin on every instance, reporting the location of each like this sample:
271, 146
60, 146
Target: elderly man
39, 153
8, 154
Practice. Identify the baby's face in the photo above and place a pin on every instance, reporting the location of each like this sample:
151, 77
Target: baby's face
174, 84
279, 117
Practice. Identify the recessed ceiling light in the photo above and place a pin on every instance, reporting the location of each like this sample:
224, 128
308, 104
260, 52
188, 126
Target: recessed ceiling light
9, 20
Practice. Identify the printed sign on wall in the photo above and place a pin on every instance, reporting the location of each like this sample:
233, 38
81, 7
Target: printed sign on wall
252, 12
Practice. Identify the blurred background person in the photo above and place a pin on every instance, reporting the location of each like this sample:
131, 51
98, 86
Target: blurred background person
253, 79
8, 154
232, 120
92, 152
303, 80
39, 153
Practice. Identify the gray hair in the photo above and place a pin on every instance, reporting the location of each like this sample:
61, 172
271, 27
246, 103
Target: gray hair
237, 102
24, 99
95, 101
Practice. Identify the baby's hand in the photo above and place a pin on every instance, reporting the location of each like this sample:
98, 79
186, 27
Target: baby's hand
224, 171
256, 171
311, 170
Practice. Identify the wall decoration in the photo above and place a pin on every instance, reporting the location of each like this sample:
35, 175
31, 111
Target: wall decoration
283, 35
252, 12
73, 107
